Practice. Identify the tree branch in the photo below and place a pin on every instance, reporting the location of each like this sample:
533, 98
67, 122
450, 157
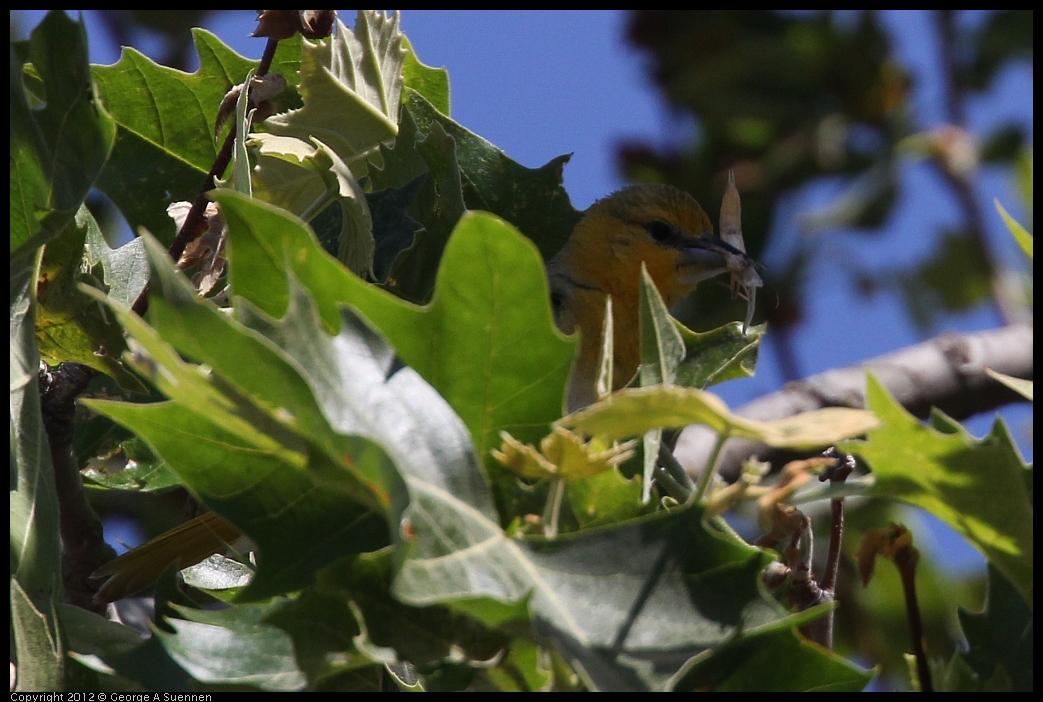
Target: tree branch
947, 372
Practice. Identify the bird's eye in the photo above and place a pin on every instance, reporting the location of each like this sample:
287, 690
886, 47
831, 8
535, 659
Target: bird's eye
660, 231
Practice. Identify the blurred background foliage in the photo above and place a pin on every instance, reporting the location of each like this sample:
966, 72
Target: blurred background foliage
791, 100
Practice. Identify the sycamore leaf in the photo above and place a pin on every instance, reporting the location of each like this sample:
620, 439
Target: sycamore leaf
532, 199
438, 205
633, 411
351, 84
496, 368
720, 354
978, 487
165, 139
233, 647
486, 342
780, 661
58, 150
999, 638
246, 436
431, 83
662, 351
305, 178
71, 326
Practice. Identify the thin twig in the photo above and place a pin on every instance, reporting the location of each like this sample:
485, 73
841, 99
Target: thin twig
906, 560
835, 475
195, 222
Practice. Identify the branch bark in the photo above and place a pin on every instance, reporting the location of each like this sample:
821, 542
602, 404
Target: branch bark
947, 372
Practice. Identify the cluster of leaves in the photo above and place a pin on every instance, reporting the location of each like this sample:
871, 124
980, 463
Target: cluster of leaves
351, 433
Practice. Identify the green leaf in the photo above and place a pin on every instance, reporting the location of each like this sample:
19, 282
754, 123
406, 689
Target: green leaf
780, 661
1019, 232
633, 411
124, 270
1000, 636
323, 629
73, 327
606, 498
233, 647
35, 545
662, 348
720, 354
58, 150
37, 639
486, 343
978, 487
437, 207
532, 199
393, 228
627, 606
393, 631
114, 649
687, 586
661, 352
351, 84
431, 83
165, 143
305, 178
250, 441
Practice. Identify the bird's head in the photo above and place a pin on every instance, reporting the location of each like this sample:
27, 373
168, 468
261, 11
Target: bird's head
658, 225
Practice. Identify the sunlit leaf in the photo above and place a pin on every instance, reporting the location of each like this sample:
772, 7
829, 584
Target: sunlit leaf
978, 487
633, 411
233, 647
165, 141
1019, 232
351, 84
1019, 385
486, 342
57, 151
70, 326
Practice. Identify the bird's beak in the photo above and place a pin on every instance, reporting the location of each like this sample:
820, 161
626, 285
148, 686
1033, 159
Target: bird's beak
708, 256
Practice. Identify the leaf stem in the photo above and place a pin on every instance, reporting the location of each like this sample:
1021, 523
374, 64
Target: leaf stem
553, 508
672, 476
905, 560
711, 467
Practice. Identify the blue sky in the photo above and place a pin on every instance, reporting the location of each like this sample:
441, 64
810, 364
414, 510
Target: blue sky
539, 84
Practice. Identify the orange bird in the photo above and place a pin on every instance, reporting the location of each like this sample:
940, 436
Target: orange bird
656, 225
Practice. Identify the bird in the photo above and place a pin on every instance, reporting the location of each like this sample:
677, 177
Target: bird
655, 225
